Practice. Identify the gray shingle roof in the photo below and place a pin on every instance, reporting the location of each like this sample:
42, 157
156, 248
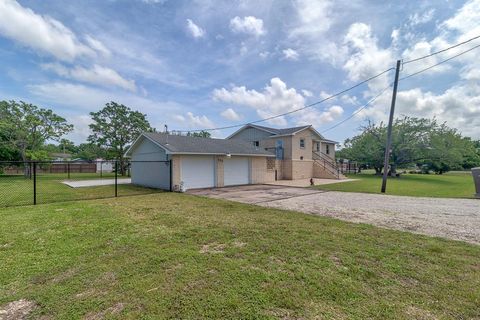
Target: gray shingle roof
282, 131
184, 144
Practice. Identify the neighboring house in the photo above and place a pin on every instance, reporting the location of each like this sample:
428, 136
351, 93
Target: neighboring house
104, 165
182, 162
59, 156
300, 152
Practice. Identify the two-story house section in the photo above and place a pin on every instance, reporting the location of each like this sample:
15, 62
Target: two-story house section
300, 152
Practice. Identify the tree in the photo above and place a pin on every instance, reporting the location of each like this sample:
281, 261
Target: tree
201, 134
115, 127
90, 151
26, 127
415, 141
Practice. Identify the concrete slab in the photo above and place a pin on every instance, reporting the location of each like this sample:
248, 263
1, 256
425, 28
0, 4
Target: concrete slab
306, 182
95, 183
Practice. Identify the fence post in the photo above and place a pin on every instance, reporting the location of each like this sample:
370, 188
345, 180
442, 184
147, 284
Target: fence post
116, 178
68, 170
34, 183
101, 168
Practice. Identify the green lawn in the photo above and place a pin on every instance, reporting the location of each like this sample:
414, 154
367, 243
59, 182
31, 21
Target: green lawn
450, 185
172, 255
17, 190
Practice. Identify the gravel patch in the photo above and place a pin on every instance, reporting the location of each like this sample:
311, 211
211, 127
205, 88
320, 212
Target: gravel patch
457, 219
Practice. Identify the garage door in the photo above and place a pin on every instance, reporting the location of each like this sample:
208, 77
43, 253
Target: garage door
236, 171
197, 172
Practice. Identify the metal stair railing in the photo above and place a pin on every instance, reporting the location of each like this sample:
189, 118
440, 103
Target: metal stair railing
327, 163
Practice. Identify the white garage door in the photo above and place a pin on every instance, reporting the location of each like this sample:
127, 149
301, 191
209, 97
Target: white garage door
236, 171
197, 172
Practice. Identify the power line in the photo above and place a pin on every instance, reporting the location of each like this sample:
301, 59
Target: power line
355, 86
360, 109
440, 51
439, 63
296, 110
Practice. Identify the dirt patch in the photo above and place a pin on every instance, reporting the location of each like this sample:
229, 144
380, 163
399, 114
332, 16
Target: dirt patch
64, 276
17, 310
213, 248
420, 314
113, 310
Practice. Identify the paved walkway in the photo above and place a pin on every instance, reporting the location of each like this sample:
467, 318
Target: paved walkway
95, 183
306, 182
457, 219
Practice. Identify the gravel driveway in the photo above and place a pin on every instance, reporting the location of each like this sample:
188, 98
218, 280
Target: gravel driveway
457, 219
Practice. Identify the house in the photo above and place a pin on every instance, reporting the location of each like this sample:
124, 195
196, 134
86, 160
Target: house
300, 152
60, 156
177, 162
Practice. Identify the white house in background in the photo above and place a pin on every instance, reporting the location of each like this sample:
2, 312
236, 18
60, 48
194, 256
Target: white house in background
182, 162
104, 165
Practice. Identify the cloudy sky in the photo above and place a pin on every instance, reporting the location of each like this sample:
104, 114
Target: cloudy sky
203, 64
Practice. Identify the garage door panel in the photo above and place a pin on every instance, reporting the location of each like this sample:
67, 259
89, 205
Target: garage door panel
236, 171
198, 172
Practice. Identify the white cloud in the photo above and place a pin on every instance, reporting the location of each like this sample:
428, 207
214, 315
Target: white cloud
231, 115
98, 46
307, 93
41, 33
249, 25
264, 54
194, 30
314, 18
366, 58
421, 18
154, 1
191, 121
276, 98
95, 75
290, 54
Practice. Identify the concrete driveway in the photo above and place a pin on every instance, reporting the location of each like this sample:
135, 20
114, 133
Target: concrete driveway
457, 219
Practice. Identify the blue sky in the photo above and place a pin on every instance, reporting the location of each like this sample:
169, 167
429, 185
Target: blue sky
203, 64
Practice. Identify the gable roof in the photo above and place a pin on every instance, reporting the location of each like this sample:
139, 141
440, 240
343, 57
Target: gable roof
277, 132
176, 144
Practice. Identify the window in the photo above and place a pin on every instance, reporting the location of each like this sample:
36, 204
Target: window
327, 149
256, 143
302, 143
318, 146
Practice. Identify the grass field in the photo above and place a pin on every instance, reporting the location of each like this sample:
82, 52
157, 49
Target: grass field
18, 190
450, 185
172, 255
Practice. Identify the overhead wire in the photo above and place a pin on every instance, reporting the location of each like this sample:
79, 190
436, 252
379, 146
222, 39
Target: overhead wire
441, 51
355, 86
296, 110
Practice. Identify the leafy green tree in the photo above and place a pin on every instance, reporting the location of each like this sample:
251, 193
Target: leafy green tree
26, 127
201, 134
414, 141
90, 151
115, 127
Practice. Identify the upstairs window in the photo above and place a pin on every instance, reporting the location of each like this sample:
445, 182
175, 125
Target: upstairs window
302, 143
256, 143
327, 149
318, 146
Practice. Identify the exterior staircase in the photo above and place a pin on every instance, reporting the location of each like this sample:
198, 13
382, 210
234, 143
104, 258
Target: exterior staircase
325, 167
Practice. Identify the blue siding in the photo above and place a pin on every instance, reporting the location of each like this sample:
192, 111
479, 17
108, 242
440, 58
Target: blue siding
150, 174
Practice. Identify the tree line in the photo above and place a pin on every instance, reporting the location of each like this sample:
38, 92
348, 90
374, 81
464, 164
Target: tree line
28, 132
423, 143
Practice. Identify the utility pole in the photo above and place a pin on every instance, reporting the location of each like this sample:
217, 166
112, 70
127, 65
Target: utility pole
389, 129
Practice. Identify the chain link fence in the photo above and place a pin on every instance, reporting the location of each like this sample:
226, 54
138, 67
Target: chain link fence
37, 182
